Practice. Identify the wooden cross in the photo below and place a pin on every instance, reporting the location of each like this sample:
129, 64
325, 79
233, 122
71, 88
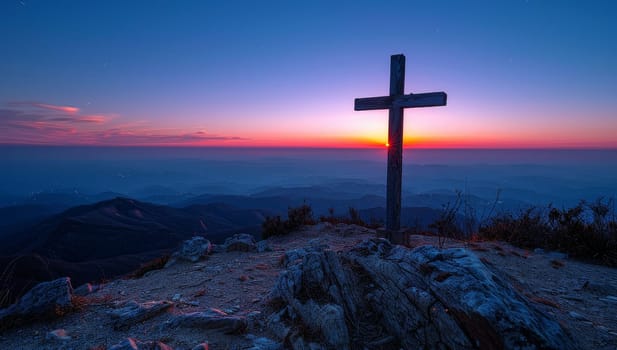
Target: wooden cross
395, 102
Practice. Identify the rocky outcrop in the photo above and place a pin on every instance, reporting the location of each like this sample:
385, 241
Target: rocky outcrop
45, 300
381, 296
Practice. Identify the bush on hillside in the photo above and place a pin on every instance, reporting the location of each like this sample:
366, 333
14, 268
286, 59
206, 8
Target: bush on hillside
527, 229
299, 216
296, 218
585, 231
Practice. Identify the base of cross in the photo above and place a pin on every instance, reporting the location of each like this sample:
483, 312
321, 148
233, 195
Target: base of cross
400, 237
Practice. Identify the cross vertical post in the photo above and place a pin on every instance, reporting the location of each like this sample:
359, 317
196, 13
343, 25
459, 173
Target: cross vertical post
395, 103
395, 147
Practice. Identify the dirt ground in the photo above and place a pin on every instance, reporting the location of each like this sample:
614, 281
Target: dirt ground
582, 297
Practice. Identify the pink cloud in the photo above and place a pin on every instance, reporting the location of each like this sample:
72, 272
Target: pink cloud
65, 109
46, 106
35, 111
41, 123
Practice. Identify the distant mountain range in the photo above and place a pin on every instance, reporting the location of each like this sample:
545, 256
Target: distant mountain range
49, 235
110, 238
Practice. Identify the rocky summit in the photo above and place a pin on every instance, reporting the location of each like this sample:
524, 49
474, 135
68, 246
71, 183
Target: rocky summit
329, 287
377, 294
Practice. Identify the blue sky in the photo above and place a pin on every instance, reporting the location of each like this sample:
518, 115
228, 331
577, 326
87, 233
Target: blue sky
517, 73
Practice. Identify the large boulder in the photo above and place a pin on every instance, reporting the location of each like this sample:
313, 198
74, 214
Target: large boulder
191, 250
381, 296
242, 242
46, 300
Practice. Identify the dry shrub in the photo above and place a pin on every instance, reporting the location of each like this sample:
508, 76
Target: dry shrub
584, 231
296, 218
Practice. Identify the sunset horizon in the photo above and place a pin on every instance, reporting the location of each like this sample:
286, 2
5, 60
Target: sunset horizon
517, 75
66, 125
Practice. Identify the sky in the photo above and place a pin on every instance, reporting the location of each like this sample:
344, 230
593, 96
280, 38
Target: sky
518, 74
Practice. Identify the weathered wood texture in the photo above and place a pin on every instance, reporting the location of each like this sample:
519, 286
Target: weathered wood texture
395, 147
429, 99
395, 102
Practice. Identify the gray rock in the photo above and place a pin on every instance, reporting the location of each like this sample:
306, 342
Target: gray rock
211, 319
242, 242
263, 246
421, 298
57, 335
295, 256
134, 344
133, 312
45, 300
191, 250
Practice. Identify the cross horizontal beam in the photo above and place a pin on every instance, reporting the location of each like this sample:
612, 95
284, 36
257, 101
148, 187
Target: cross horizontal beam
429, 99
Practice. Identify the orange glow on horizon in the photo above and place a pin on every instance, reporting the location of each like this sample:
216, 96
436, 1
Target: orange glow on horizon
334, 145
